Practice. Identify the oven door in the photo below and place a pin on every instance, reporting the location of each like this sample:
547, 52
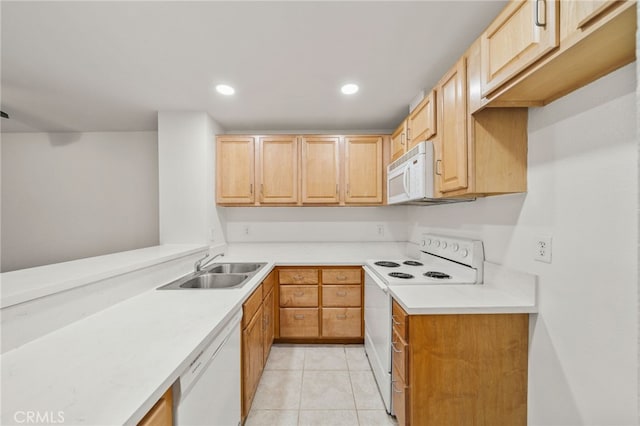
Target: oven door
377, 332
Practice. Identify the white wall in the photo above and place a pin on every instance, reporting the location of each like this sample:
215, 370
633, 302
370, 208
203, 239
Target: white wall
186, 157
67, 196
315, 224
583, 188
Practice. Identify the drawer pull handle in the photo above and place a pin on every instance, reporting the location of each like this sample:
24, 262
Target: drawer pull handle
298, 316
394, 348
393, 386
298, 293
341, 278
341, 293
341, 316
298, 277
393, 320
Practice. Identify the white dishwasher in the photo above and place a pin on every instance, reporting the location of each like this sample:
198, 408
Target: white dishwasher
210, 388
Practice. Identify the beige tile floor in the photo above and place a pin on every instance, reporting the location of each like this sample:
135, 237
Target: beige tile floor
323, 385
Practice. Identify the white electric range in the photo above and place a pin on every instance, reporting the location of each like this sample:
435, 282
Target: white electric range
443, 260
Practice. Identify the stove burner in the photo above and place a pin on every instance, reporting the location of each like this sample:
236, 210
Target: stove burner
412, 263
438, 275
387, 264
400, 275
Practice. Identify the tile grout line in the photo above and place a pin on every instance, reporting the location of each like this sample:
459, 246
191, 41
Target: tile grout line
353, 393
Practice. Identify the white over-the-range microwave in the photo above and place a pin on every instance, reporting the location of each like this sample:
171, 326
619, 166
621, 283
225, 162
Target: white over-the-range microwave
410, 179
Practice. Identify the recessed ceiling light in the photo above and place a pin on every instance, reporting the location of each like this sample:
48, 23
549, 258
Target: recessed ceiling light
225, 89
349, 89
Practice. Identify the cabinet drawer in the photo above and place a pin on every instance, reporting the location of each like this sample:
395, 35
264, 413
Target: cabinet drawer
298, 276
341, 322
400, 398
299, 322
341, 295
251, 305
399, 318
268, 283
342, 276
400, 355
299, 296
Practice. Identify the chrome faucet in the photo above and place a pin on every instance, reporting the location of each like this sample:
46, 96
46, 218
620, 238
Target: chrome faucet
199, 265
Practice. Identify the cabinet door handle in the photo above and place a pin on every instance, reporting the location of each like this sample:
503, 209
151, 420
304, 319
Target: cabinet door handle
341, 293
393, 320
438, 171
298, 293
336, 189
348, 189
251, 188
540, 23
298, 316
393, 347
341, 317
261, 189
409, 134
402, 136
393, 386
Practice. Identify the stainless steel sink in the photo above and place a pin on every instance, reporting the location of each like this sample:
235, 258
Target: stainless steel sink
234, 268
217, 276
216, 281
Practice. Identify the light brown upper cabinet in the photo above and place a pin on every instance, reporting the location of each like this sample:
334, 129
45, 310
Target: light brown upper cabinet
399, 141
235, 169
580, 41
421, 124
478, 154
278, 169
521, 34
452, 164
363, 169
321, 169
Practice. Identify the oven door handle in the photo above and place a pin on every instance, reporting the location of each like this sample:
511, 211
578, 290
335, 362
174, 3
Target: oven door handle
405, 180
373, 278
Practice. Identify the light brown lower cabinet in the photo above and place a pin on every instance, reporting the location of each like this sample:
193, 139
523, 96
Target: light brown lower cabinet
257, 338
161, 414
320, 303
466, 369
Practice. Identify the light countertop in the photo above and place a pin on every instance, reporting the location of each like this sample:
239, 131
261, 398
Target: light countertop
503, 291
27, 284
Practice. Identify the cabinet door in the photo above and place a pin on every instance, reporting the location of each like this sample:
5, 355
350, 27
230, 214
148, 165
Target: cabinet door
400, 398
268, 325
422, 121
452, 166
235, 169
577, 15
252, 359
278, 169
363, 169
521, 34
399, 141
320, 169
161, 414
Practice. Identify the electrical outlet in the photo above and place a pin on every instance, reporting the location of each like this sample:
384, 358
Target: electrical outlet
381, 230
543, 249
245, 228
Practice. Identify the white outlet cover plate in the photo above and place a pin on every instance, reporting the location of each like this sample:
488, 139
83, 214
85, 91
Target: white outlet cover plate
542, 249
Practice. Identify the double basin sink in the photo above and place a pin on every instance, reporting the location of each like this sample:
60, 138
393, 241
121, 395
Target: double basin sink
217, 276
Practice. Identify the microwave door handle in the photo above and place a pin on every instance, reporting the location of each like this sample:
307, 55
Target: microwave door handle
405, 180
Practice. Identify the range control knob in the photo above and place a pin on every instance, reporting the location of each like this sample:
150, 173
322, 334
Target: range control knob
436, 243
428, 241
455, 247
444, 244
423, 243
464, 253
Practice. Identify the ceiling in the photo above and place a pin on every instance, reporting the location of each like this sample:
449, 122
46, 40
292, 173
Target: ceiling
111, 66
